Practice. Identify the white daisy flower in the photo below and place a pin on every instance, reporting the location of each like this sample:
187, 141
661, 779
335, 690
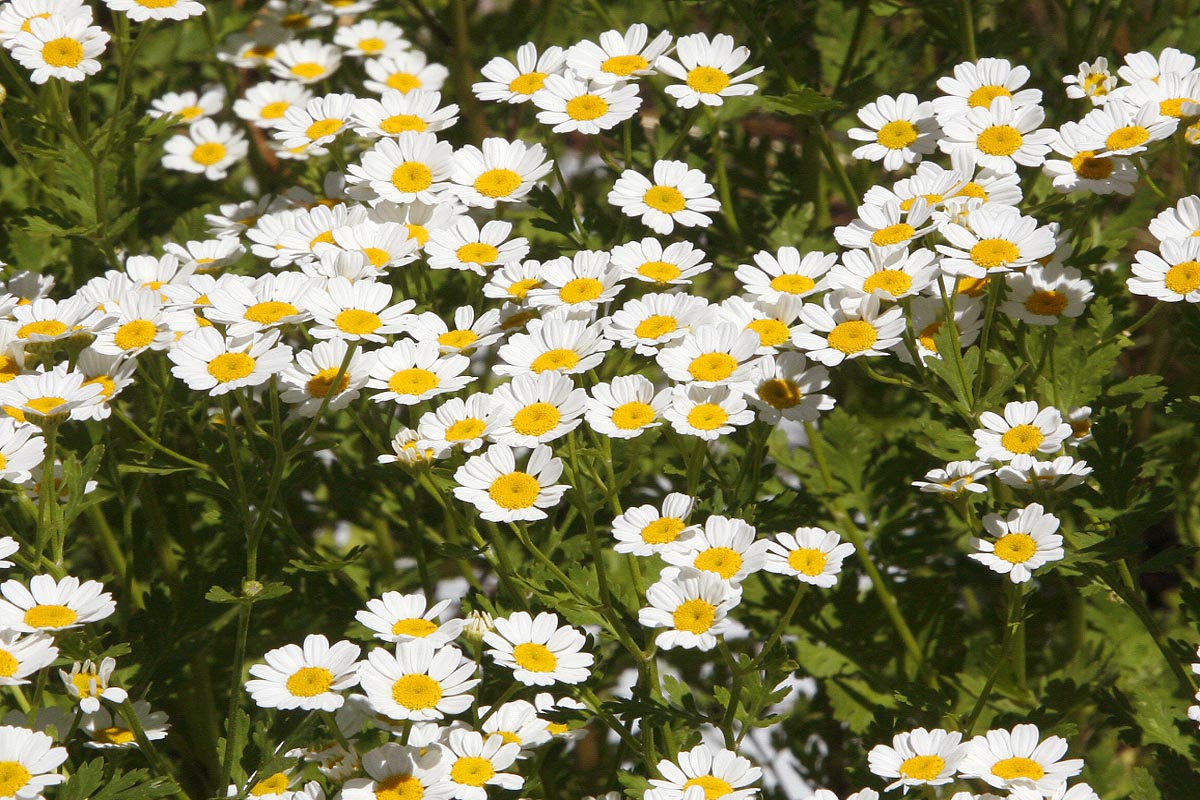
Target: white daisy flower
568, 346
1064, 472
812, 555
1046, 295
266, 104
408, 372
307, 677
928, 316
460, 423
111, 373
466, 246
1143, 66
891, 273
900, 130
726, 547
1080, 420
209, 362
619, 57
307, 383
207, 148
626, 407
468, 334
919, 758
142, 10
60, 393
29, 758
502, 493
570, 103
397, 617
1172, 276
63, 46
848, 327
955, 478
400, 771
90, 684
369, 38
21, 449
1179, 222
318, 122
17, 16
404, 72
49, 605
885, 226
1093, 81
1084, 170
410, 167
1024, 430
538, 650
693, 608
518, 723
999, 239
516, 83
476, 762
420, 682
305, 60
408, 449
711, 355
141, 323
395, 113
536, 409
22, 656
189, 106
999, 137
979, 84
384, 245
501, 172
707, 413
773, 323
722, 774
677, 196
648, 261
1116, 129
785, 274
358, 311
1024, 541
270, 301
208, 255
577, 285
654, 321
706, 69
1016, 758
787, 387
419, 218
646, 530
45, 320
1175, 96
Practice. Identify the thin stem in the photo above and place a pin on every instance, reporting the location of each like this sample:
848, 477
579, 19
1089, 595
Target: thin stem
157, 445
1015, 620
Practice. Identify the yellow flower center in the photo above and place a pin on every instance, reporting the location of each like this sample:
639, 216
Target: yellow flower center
707, 80
136, 334
83, 683
893, 234
928, 332
418, 232
923, 768
399, 787
1184, 277
771, 332
528, 83
695, 616
209, 153
497, 183
1047, 303
50, 616
1174, 107
412, 176
893, 281
993, 253
660, 271
325, 237
229, 367
399, 123
624, 65
655, 326
554, 360
853, 336
536, 419
275, 110
13, 777
1022, 439
458, 339
808, 561
1128, 137
1000, 140
984, 95
663, 531
275, 784
8, 662
581, 290
378, 257
310, 681
1016, 767
478, 253
45, 405
372, 44
28, 27
413, 381
9, 368
707, 417
535, 657
417, 692
63, 52
587, 107
293, 22
1016, 548
472, 771
357, 321
714, 788
724, 561
321, 384
270, 312
712, 367
666, 199
898, 134
465, 430
973, 189
515, 490
416, 626
403, 82
780, 393
1093, 85
1090, 168
190, 113
324, 127
42, 327
793, 284
633, 415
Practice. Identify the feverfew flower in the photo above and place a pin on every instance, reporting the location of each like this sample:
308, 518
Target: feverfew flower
418, 682
571, 104
48, 605
618, 57
785, 386
1116, 129
404, 73
1093, 81
626, 407
1085, 171
537, 409
397, 617
678, 195
209, 362
1171, 275
501, 172
693, 608
1016, 759
538, 650
648, 261
408, 372
1064, 472
142, 10
706, 69
644, 530
980, 84
410, 167
812, 555
516, 83
501, 493
919, 758
955, 478
307, 677
999, 137
726, 547
1024, 430
207, 148
59, 46
900, 130
722, 773
307, 383
785, 274
1045, 295
91, 684
21, 450
996, 239
29, 758
707, 413
848, 327
22, 656
476, 762
1024, 541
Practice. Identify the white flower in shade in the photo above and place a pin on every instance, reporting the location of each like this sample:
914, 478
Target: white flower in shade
459, 423
1080, 420
63, 46
625, 407
37, 397
1084, 170
394, 114
1171, 275
502, 493
726, 547
266, 104
706, 69
786, 387
369, 38
1116, 129
1093, 81
418, 682
409, 372
28, 758
516, 83
307, 383
568, 346
1046, 295
517, 721
536, 409
419, 218
1016, 758
1024, 430
711, 355
848, 327
397, 617
932, 183
891, 273
900, 130
207, 148
572, 104
885, 226
999, 137
209, 362
90, 684
501, 172
49, 605
404, 73
357, 311
21, 450
318, 122
619, 57
410, 167
978, 85
1025, 540
476, 762
998, 240
654, 321
305, 60
722, 774
707, 413
408, 449
22, 656
1179, 222
189, 106
645, 530
467, 246
8, 545
693, 607
538, 650
108, 729
928, 315
577, 285
1064, 472
678, 195
785, 274
400, 771
812, 555
306, 677
648, 261
919, 758
955, 478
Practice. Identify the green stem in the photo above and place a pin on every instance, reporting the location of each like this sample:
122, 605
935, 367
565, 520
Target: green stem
1015, 621
967, 18
159, 446
784, 621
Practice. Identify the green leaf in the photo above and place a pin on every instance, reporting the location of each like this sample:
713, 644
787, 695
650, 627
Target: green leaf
802, 102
